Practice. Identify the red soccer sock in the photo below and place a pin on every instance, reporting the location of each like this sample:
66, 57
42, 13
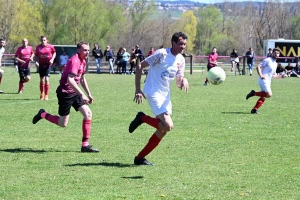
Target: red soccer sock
86, 132
51, 118
206, 80
260, 94
152, 143
47, 88
259, 103
21, 84
0, 79
154, 122
42, 86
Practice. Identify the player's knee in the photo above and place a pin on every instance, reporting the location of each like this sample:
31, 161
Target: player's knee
88, 115
269, 94
169, 127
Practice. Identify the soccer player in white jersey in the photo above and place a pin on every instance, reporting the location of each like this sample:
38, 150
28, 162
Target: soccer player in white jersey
165, 66
266, 71
2, 49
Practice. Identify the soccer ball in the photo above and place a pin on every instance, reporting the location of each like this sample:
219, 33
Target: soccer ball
216, 75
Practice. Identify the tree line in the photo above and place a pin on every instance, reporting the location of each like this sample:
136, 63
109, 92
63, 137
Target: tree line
225, 25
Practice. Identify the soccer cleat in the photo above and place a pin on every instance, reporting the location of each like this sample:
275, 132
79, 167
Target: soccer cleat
46, 97
1, 91
38, 116
251, 94
253, 111
142, 161
20, 92
89, 149
136, 122
205, 84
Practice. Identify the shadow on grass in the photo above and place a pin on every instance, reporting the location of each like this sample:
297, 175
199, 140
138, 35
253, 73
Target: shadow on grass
20, 150
105, 164
132, 177
235, 112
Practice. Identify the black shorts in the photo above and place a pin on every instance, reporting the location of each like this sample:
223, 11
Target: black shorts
65, 101
44, 70
23, 72
209, 67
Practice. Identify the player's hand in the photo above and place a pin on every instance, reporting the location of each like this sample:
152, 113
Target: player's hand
91, 99
37, 64
185, 85
263, 77
138, 97
85, 99
51, 62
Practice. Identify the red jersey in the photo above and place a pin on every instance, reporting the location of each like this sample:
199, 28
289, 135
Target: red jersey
74, 66
45, 53
24, 54
212, 58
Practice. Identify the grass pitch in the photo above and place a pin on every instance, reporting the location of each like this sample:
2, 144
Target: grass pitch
217, 149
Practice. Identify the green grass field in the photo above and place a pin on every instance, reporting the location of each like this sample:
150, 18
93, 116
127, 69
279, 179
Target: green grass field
217, 149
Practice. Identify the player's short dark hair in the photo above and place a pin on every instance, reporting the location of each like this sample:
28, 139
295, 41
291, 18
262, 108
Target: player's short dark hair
177, 35
79, 45
276, 49
43, 37
270, 49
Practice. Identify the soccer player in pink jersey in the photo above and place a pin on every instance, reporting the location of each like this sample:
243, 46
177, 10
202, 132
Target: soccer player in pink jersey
266, 71
24, 55
212, 62
165, 66
46, 54
69, 94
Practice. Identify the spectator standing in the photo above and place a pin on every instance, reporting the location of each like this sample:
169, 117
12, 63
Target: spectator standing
151, 51
125, 60
46, 54
235, 60
2, 50
250, 59
211, 61
69, 94
98, 55
165, 65
23, 56
269, 54
132, 60
138, 53
63, 59
119, 60
109, 56
266, 71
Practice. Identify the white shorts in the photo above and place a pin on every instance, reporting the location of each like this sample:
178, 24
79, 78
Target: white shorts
159, 105
265, 87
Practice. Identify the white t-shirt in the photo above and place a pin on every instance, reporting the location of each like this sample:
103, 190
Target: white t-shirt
63, 59
268, 68
164, 67
2, 52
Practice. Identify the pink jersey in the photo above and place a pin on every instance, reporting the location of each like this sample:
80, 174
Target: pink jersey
24, 54
45, 53
212, 58
74, 66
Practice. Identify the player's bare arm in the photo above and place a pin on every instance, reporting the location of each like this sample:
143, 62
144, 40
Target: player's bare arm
53, 57
76, 88
259, 72
139, 95
182, 83
85, 86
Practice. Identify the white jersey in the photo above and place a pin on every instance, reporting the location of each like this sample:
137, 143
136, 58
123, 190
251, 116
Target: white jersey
63, 59
2, 52
268, 68
164, 67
